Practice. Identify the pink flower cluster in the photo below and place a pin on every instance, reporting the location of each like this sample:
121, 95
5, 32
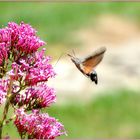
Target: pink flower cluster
37, 125
33, 69
23, 37
36, 97
41, 70
18, 40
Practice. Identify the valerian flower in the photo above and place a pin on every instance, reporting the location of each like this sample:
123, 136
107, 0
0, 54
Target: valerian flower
3, 53
5, 36
32, 69
35, 97
23, 86
24, 38
38, 125
41, 70
5, 42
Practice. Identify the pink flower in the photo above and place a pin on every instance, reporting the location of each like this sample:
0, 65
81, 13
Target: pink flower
3, 90
24, 38
38, 126
18, 40
3, 53
15, 73
40, 71
5, 42
35, 97
33, 69
5, 36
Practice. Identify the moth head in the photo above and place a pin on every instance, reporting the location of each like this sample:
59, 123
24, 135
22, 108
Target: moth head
74, 59
94, 77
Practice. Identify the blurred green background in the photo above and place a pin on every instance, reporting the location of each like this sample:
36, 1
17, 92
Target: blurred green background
115, 112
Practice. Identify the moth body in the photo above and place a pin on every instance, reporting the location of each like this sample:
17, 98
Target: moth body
76, 61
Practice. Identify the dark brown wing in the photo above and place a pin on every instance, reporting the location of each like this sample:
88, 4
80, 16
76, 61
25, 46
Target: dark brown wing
90, 62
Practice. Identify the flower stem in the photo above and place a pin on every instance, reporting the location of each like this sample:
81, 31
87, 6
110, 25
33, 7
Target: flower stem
6, 107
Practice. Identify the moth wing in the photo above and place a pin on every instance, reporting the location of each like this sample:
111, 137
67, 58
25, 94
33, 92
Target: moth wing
89, 63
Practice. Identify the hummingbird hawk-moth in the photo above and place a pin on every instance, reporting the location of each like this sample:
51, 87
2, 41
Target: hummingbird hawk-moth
88, 64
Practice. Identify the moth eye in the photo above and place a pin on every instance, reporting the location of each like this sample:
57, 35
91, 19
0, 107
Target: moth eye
81, 66
94, 74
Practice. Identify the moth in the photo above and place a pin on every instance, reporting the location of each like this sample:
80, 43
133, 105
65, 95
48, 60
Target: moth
88, 64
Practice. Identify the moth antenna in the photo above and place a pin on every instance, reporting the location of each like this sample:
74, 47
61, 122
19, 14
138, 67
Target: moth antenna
69, 55
58, 59
73, 53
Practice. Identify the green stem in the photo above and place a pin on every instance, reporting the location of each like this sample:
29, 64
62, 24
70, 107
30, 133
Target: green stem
6, 107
